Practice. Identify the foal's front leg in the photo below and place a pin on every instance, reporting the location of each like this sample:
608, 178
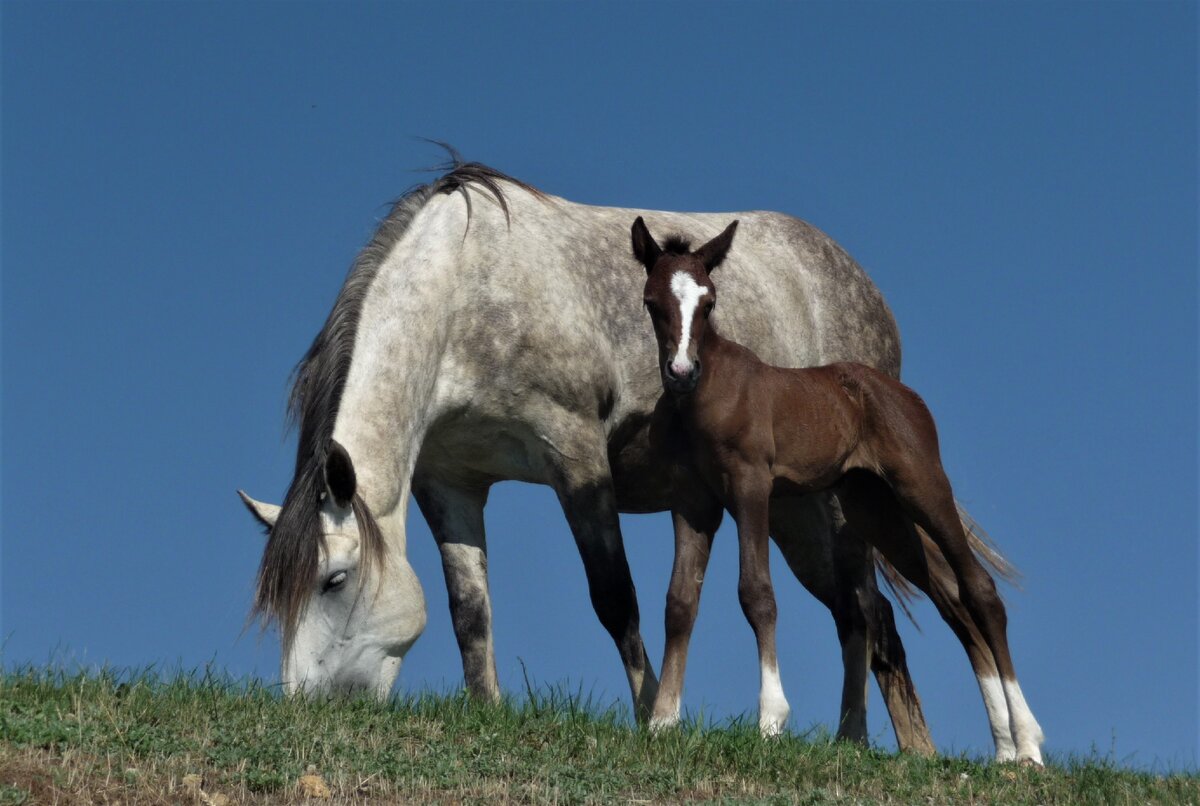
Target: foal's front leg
695, 526
751, 508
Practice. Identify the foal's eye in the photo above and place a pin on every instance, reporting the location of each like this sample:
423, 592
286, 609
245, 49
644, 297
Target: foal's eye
708, 308
335, 581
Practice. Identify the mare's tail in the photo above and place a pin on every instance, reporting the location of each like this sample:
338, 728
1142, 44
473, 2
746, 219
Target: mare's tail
981, 543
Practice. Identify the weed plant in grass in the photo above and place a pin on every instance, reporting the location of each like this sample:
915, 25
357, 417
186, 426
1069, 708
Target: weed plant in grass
145, 738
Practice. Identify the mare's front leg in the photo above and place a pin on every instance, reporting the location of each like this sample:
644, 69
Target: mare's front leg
695, 525
751, 509
585, 489
455, 516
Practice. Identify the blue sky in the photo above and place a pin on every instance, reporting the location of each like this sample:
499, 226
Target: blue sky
183, 186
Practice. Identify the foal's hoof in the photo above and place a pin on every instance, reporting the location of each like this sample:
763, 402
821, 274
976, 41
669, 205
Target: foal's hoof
1030, 757
1027, 761
771, 728
772, 717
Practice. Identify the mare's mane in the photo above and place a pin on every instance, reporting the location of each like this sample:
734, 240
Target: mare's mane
289, 563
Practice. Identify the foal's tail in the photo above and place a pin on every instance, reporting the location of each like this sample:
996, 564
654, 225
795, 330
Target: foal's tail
981, 543
986, 549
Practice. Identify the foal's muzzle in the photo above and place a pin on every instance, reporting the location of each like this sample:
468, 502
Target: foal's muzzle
680, 383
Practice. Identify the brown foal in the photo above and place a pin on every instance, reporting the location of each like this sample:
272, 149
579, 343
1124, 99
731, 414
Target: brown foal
755, 431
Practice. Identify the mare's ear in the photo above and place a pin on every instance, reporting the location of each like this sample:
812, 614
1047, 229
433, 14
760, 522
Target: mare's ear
339, 474
264, 513
645, 248
713, 252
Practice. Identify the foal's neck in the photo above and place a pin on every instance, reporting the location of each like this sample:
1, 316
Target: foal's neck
720, 359
718, 352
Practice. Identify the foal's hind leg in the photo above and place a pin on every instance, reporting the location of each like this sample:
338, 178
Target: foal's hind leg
943, 592
871, 507
924, 491
807, 529
751, 509
695, 526
851, 566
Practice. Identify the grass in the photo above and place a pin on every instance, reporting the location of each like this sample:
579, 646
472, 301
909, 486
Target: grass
106, 737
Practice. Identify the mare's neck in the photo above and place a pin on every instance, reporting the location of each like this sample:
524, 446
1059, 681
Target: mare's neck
390, 392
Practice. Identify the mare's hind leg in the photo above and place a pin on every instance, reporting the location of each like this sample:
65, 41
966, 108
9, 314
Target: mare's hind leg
751, 509
585, 491
807, 530
695, 525
455, 516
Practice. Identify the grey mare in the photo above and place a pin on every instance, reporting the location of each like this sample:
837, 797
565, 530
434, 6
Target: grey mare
490, 331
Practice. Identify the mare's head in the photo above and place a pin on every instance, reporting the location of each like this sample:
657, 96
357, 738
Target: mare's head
342, 631
679, 297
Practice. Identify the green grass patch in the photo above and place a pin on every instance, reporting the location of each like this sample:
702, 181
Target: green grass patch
145, 738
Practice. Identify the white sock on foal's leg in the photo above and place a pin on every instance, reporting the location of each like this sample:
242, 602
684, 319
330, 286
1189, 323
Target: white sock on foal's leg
997, 712
773, 708
1027, 733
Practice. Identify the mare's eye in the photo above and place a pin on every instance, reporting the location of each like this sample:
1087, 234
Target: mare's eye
335, 581
708, 307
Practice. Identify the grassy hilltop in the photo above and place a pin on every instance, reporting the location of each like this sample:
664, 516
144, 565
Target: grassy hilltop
67, 738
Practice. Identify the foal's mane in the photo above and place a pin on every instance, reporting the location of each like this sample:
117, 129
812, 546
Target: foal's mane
677, 245
289, 563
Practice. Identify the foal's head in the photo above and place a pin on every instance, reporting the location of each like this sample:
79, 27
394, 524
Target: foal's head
679, 296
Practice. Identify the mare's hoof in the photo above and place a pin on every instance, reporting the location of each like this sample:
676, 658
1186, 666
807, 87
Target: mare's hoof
660, 724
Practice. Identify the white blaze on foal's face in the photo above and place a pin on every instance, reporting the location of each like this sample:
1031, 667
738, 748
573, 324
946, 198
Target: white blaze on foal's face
679, 298
689, 293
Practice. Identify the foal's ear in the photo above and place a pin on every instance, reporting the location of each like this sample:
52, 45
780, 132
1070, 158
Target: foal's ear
713, 252
645, 248
264, 513
339, 474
